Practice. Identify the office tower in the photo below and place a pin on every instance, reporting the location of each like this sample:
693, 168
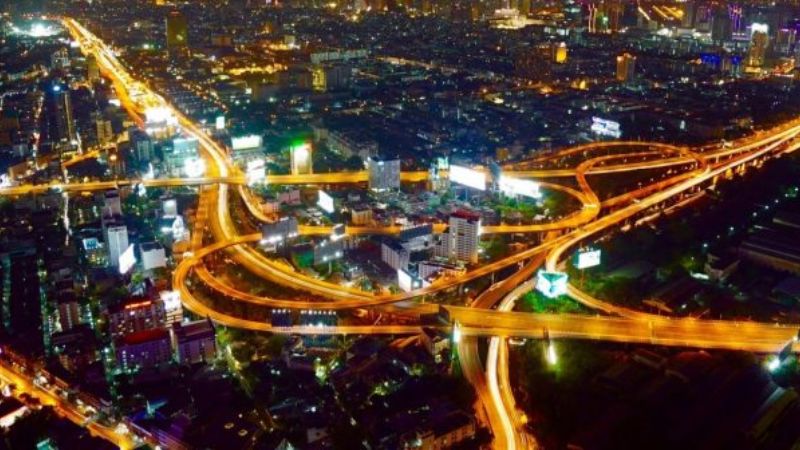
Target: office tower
300, 156
721, 26
785, 40
759, 39
177, 30
384, 174
535, 63
142, 146
116, 242
689, 14
560, 53
21, 305
183, 157
136, 314
60, 122
92, 69
626, 66
69, 314
464, 236
105, 133
112, 206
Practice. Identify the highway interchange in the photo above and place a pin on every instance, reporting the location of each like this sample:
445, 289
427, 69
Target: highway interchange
695, 168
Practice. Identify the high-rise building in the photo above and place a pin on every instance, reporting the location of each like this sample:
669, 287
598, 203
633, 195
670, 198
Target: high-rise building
142, 145
560, 52
92, 69
112, 205
759, 40
464, 235
384, 174
181, 157
60, 121
721, 26
105, 133
300, 156
116, 242
785, 40
177, 30
20, 298
69, 315
689, 14
135, 315
626, 67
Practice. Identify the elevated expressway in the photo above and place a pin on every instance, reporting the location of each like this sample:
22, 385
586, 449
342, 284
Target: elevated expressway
579, 226
705, 165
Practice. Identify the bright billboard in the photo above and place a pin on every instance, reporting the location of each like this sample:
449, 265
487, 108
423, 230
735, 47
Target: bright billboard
551, 284
127, 260
325, 202
585, 259
606, 127
246, 142
256, 171
468, 177
518, 187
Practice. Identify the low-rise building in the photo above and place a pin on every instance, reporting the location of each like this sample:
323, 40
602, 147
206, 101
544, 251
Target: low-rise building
144, 349
194, 342
135, 315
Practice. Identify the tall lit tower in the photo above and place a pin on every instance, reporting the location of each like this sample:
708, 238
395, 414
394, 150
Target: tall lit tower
626, 66
464, 236
177, 30
60, 122
300, 156
759, 39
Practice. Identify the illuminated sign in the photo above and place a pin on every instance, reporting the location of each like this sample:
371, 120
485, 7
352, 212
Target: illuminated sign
325, 202
170, 207
406, 282
194, 167
220, 123
606, 127
256, 171
551, 284
137, 305
587, 258
185, 146
171, 300
759, 28
301, 158
127, 260
159, 114
515, 186
468, 177
251, 141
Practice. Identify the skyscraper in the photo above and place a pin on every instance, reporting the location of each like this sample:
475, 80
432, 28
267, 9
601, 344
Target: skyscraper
177, 30
464, 235
384, 174
92, 69
300, 156
60, 122
721, 26
116, 242
759, 39
626, 66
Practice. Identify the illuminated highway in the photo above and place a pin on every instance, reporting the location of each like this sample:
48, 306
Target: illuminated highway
588, 221
24, 385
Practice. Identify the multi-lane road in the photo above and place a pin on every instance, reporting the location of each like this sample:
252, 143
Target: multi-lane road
703, 166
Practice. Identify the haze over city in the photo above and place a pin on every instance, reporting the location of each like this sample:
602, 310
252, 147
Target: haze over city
399, 224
